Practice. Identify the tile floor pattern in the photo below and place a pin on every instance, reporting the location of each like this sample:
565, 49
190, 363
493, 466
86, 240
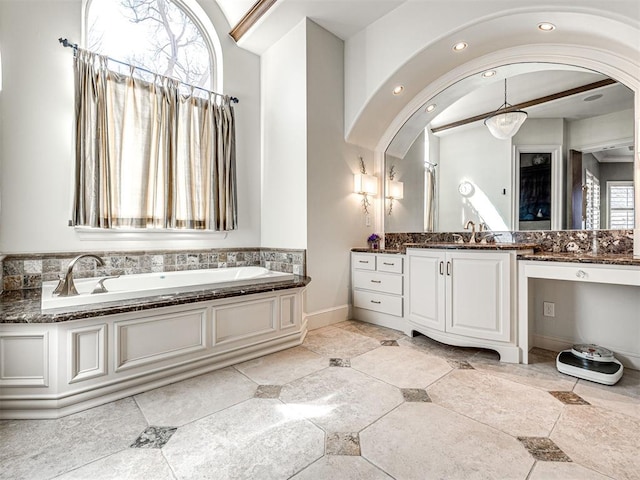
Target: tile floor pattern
394, 408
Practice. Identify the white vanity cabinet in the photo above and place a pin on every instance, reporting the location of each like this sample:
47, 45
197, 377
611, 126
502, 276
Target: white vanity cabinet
464, 298
378, 288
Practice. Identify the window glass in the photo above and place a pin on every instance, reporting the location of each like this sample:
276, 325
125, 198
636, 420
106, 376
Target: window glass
157, 35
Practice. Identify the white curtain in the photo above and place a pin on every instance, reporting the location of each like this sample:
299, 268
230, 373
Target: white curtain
429, 198
149, 155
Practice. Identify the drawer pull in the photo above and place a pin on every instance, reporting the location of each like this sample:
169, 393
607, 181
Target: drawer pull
376, 302
363, 261
581, 274
376, 281
387, 263
449, 268
441, 268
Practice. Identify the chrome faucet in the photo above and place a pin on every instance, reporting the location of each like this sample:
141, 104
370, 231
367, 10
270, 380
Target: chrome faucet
66, 287
472, 239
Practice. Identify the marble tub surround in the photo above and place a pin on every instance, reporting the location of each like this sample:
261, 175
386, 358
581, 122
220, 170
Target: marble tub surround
27, 271
291, 415
563, 241
24, 306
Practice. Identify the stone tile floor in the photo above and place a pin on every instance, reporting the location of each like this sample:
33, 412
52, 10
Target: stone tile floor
355, 401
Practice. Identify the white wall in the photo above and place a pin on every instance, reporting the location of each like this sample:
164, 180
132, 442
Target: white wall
335, 222
284, 141
36, 118
540, 131
603, 130
474, 155
606, 315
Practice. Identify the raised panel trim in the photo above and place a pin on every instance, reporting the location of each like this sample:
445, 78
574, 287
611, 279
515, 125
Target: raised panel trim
120, 347
288, 303
24, 381
272, 328
73, 344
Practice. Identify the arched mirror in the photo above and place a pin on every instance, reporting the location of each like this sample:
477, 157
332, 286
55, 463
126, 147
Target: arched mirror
569, 166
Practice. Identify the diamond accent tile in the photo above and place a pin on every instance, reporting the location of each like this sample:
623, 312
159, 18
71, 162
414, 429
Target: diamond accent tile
569, 398
415, 395
154, 437
343, 444
389, 343
339, 362
268, 391
461, 364
545, 449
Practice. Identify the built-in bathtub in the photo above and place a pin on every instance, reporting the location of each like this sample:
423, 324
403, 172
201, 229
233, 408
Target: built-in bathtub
142, 285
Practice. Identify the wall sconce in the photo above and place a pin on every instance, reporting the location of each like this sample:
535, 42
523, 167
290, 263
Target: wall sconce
365, 185
395, 189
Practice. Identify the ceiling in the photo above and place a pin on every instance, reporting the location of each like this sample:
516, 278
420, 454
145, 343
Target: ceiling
471, 96
343, 18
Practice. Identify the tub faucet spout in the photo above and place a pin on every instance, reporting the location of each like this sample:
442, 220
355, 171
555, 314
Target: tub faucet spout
66, 287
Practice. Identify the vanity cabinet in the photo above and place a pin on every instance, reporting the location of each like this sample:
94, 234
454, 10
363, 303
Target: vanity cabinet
378, 288
463, 298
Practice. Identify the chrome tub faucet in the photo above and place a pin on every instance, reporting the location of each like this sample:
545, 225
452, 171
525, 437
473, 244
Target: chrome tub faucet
66, 287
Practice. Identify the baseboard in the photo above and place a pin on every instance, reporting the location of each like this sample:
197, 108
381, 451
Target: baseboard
326, 317
628, 359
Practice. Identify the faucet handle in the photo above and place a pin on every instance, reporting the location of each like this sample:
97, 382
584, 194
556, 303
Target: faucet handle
100, 288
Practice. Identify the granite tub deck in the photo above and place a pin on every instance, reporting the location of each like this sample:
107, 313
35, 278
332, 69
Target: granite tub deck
59, 362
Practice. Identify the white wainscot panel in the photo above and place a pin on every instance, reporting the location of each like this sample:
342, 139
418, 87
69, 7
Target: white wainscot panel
241, 321
24, 360
154, 339
87, 352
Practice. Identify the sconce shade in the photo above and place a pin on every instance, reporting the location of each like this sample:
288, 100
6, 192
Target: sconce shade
396, 190
505, 123
365, 184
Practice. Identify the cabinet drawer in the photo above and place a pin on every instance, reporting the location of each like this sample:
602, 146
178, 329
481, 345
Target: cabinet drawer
584, 273
364, 262
379, 282
389, 263
378, 302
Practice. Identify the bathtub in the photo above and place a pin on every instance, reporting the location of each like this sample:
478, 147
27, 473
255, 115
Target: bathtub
143, 285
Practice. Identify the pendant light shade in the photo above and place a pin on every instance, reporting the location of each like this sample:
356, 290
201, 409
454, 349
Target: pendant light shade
505, 122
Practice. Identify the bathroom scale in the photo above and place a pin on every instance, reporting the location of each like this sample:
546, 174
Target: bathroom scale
590, 362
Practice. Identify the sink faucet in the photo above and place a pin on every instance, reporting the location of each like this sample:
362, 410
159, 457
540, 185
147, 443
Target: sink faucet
66, 287
472, 239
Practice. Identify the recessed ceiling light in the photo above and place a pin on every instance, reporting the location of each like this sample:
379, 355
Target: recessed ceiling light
458, 47
398, 90
591, 98
431, 108
546, 26
488, 73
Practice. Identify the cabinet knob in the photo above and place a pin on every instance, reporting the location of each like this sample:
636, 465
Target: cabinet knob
581, 274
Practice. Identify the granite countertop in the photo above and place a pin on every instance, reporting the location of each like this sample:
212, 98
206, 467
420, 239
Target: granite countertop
474, 246
370, 250
23, 306
601, 258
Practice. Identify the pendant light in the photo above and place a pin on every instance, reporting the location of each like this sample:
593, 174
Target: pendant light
505, 123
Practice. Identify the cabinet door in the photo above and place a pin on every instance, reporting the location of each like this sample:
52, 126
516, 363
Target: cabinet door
426, 289
478, 286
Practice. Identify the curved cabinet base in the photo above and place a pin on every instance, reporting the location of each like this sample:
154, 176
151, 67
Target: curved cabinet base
509, 353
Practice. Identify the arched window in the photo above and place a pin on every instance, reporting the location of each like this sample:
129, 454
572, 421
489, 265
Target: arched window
158, 35
151, 152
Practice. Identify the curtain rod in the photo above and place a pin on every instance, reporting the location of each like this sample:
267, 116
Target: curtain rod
67, 43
